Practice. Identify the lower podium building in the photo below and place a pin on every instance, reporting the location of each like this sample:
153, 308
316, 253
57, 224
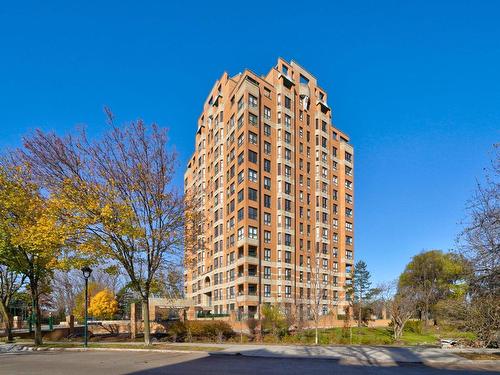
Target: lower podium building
273, 182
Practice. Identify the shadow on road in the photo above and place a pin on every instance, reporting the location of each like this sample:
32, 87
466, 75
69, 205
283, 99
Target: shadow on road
243, 365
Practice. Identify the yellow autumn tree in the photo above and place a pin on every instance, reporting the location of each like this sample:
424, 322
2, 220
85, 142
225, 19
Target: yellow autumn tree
79, 309
32, 238
103, 305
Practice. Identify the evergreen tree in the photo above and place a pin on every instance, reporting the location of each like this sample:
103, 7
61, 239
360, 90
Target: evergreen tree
361, 287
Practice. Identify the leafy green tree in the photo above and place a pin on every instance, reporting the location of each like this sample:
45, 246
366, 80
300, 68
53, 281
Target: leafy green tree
434, 275
274, 319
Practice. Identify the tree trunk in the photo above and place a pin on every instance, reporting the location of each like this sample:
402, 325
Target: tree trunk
145, 319
426, 314
7, 321
35, 298
359, 313
316, 337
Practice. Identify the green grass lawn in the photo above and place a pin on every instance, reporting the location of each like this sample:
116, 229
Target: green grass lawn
376, 336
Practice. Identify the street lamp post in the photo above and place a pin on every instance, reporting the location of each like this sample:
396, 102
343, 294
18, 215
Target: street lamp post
86, 274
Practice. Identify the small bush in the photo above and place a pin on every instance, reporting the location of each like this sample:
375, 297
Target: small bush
213, 330
177, 332
414, 326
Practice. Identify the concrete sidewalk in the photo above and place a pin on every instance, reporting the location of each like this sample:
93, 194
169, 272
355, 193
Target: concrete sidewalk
360, 354
374, 355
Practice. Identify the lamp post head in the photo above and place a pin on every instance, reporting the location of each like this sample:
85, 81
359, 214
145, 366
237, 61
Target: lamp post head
86, 272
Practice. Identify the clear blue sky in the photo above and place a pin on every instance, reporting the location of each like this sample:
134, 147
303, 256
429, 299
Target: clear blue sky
415, 84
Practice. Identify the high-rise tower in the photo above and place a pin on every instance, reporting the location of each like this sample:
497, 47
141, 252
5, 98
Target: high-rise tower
275, 183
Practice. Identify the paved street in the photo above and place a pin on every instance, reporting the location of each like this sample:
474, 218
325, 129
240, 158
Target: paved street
150, 363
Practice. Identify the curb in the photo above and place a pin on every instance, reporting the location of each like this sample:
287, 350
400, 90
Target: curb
25, 348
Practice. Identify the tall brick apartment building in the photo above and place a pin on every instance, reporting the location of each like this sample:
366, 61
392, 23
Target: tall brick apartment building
274, 179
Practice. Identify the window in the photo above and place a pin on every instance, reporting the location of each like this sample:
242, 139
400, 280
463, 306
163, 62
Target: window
267, 183
252, 233
252, 101
288, 239
252, 156
348, 226
267, 148
267, 236
348, 157
288, 154
241, 195
240, 103
252, 175
267, 272
267, 218
348, 240
241, 214
288, 205
288, 257
267, 165
288, 222
241, 158
348, 212
252, 213
241, 177
230, 207
267, 113
252, 119
267, 290
348, 198
241, 233
288, 291
240, 121
267, 201
288, 121
288, 102
267, 130
267, 254
252, 138
288, 188
288, 137
252, 194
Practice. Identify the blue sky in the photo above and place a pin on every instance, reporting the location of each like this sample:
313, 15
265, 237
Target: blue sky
415, 84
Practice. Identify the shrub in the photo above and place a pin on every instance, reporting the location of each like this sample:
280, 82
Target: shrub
213, 330
177, 331
414, 326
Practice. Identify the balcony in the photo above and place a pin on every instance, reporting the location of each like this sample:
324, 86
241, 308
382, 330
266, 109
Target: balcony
216, 100
287, 80
324, 107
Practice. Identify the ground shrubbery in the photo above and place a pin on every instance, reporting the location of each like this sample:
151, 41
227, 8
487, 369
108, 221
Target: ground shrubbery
414, 326
198, 330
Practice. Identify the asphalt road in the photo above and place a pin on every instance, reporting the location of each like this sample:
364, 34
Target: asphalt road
150, 363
